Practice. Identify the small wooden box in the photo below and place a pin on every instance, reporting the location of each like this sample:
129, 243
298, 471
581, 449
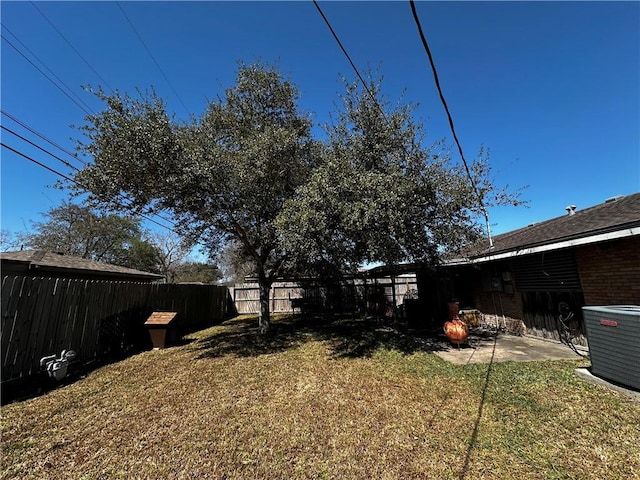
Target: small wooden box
162, 329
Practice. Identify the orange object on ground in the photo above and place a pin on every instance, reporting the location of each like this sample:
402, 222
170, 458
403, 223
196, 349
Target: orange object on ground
456, 331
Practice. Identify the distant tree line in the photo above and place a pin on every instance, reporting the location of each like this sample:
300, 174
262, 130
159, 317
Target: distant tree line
79, 230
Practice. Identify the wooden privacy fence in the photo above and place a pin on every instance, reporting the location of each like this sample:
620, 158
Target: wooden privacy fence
345, 295
246, 297
96, 319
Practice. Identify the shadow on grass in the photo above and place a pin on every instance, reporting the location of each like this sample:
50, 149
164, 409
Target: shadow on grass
348, 336
476, 427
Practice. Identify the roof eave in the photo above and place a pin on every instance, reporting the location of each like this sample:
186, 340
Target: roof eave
95, 273
556, 245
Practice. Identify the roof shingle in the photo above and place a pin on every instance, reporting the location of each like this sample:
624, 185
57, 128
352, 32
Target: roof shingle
43, 260
614, 215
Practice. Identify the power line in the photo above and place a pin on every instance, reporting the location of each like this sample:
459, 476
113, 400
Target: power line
44, 65
46, 167
152, 57
451, 125
62, 175
346, 54
35, 132
42, 149
84, 108
424, 42
73, 167
71, 45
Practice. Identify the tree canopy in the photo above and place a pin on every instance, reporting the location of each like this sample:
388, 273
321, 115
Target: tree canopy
248, 174
225, 176
379, 195
79, 230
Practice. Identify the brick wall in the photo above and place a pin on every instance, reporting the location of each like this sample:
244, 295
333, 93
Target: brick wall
500, 310
610, 272
499, 303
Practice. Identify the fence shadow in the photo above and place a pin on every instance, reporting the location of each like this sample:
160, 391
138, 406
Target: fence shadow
348, 336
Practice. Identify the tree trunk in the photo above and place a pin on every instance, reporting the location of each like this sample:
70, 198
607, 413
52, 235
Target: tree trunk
264, 321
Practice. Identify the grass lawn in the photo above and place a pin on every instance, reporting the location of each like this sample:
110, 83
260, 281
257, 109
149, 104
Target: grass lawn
341, 399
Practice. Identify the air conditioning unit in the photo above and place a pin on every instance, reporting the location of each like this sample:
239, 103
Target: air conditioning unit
613, 333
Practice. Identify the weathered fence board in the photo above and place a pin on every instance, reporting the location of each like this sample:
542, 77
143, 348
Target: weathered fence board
347, 294
11, 287
43, 316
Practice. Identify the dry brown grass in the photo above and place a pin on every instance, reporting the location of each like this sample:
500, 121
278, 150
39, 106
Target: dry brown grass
317, 399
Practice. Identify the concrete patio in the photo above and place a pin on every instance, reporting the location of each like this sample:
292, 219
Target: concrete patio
499, 347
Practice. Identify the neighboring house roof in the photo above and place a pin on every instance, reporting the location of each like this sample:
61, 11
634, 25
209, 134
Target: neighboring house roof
42, 263
617, 217
388, 270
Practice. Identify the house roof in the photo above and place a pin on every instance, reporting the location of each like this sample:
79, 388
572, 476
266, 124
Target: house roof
615, 218
46, 262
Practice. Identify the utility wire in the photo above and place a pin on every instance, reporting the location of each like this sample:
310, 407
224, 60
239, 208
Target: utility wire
435, 73
84, 107
42, 149
44, 65
71, 166
65, 162
24, 125
451, 125
60, 174
152, 57
346, 54
35, 132
46, 167
72, 47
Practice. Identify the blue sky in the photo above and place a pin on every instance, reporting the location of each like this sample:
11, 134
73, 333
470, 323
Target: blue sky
551, 88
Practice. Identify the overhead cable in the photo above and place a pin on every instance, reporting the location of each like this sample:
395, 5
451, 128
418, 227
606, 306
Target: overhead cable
46, 167
152, 57
35, 132
73, 167
42, 149
346, 54
83, 106
451, 125
72, 47
62, 175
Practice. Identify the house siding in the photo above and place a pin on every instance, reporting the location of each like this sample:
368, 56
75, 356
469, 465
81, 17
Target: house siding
610, 272
543, 274
500, 309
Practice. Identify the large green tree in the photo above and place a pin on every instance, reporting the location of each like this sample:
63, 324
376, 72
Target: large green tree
248, 175
225, 176
382, 195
